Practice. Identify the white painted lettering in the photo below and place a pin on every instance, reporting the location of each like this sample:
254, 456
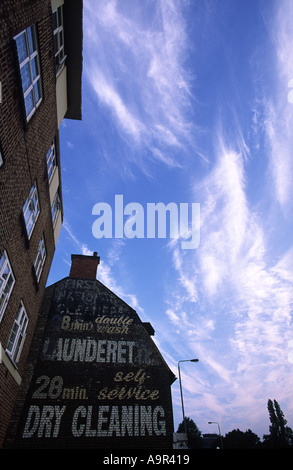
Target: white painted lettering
32, 421
45, 423
78, 429
89, 350
118, 421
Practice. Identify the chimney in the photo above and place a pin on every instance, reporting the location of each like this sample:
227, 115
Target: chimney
84, 267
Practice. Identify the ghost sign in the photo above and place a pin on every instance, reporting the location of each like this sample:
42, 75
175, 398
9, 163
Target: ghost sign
98, 380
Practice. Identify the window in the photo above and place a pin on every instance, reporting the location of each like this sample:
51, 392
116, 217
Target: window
40, 258
56, 206
7, 281
58, 35
31, 210
29, 65
51, 159
17, 335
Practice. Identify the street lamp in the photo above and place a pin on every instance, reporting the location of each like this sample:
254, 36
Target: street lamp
215, 422
184, 421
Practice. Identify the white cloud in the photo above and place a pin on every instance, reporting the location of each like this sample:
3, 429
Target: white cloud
239, 321
227, 225
284, 267
186, 278
136, 68
230, 303
81, 246
104, 273
110, 97
279, 114
106, 277
279, 125
176, 319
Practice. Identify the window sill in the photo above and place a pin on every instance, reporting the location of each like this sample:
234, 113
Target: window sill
10, 365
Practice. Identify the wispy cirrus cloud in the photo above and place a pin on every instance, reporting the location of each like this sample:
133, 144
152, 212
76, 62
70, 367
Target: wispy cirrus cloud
278, 118
104, 274
224, 218
139, 73
110, 96
279, 123
240, 319
231, 302
82, 247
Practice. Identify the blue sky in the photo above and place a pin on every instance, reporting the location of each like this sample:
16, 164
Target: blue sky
189, 102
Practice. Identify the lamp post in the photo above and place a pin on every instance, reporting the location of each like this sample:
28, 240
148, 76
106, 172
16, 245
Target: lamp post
215, 422
184, 360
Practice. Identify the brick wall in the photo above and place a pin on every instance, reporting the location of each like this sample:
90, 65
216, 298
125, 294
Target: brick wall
106, 399
84, 267
24, 148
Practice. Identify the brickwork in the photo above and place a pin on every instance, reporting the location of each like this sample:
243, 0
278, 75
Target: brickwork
31, 362
24, 147
84, 267
94, 379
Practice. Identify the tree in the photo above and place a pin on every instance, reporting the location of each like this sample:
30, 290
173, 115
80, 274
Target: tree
237, 439
281, 436
193, 433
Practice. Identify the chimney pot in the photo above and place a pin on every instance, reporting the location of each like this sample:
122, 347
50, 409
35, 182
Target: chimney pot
84, 267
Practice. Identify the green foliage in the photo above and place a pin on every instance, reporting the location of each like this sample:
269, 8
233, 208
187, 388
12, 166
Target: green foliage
280, 436
193, 433
237, 439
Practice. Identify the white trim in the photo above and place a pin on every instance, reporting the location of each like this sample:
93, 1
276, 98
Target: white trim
58, 39
31, 209
40, 258
31, 56
56, 4
4, 281
53, 184
17, 334
55, 208
51, 160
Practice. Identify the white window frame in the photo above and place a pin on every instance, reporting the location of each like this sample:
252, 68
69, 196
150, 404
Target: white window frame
56, 207
51, 160
33, 71
31, 210
58, 37
40, 258
17, 334
7, 281
1, 158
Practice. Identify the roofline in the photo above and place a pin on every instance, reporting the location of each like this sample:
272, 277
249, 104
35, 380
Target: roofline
172, 376
73, 29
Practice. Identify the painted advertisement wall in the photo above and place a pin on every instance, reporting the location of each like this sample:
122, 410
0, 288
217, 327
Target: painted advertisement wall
99, 380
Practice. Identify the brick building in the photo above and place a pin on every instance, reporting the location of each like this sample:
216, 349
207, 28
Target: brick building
94, 377
40, 84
